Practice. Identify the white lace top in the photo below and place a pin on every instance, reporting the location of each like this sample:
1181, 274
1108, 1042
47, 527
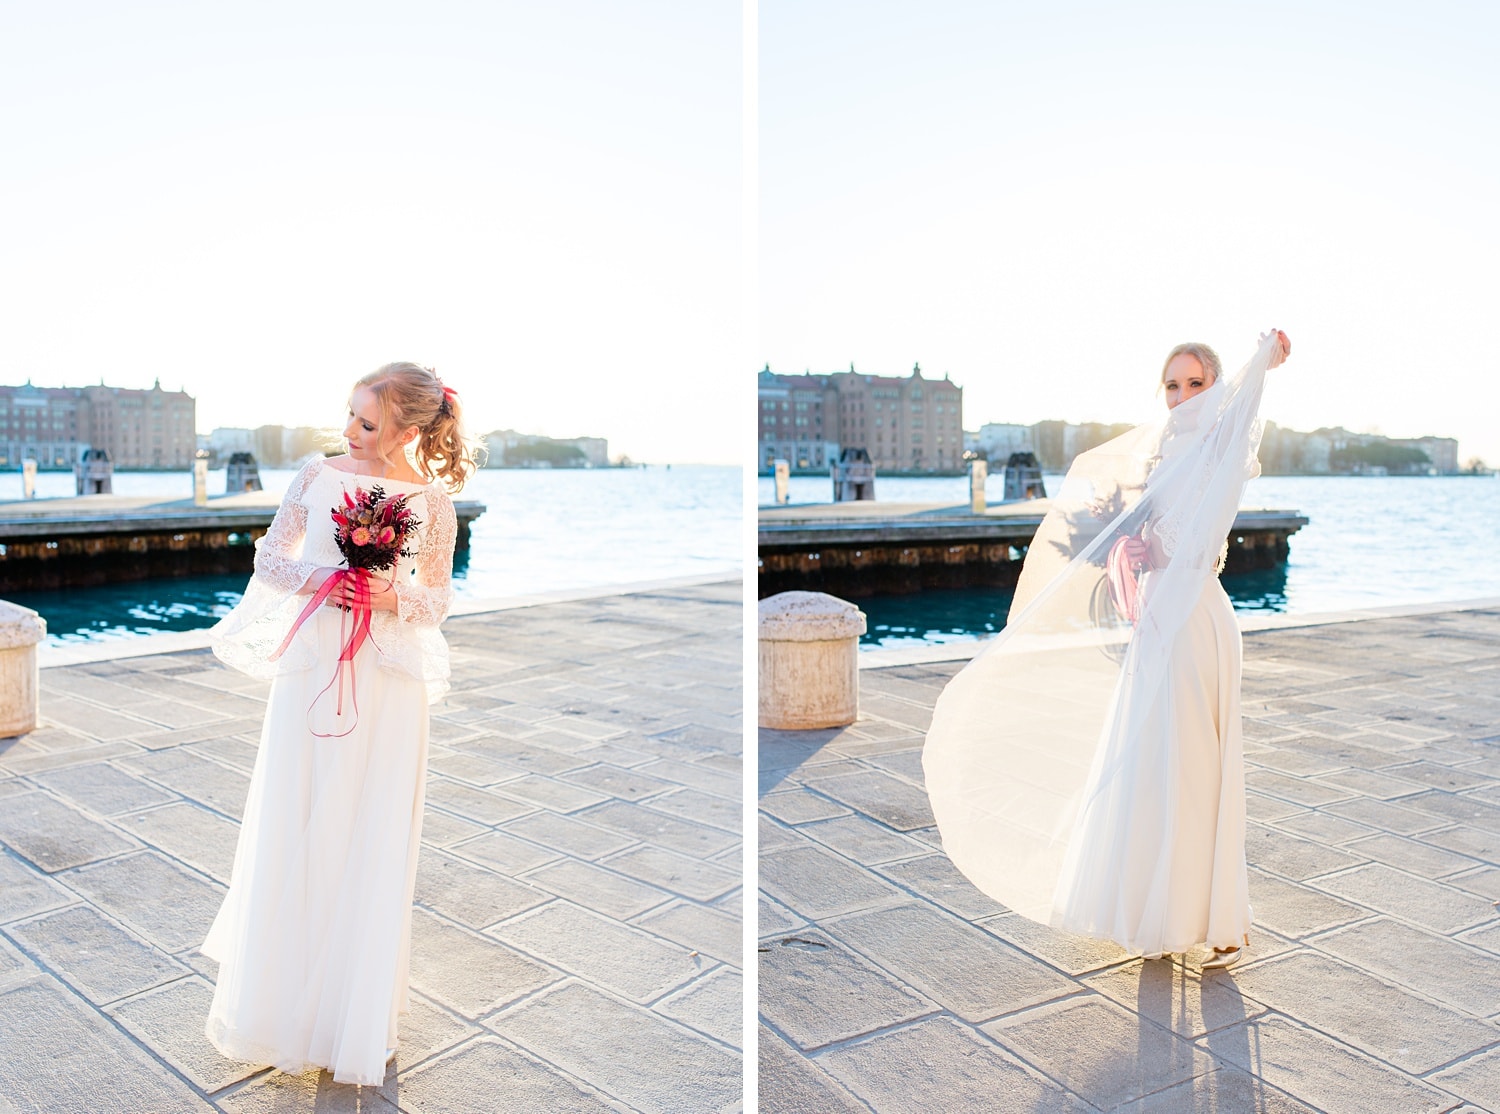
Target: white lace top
301, 540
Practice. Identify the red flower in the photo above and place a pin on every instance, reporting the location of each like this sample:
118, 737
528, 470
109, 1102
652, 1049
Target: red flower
361, 536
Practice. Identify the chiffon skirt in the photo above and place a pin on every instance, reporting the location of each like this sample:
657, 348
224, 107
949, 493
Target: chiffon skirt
313, 938
1164, 887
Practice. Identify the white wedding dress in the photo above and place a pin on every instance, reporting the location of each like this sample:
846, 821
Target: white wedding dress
1086, 770
313, 937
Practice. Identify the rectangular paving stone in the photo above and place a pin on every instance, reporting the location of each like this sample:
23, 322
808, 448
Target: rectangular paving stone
713, 1005
861, 839
25, 891
789, 1083
1458, 808
657, 828
876, 794
1442, 969
699, 928
820, 884
816, 992
626, 960
469, 973
1384, 815
959, 966
1176, 999
1323, 827
465, 1082
505, 853
1099, 1051
705, 808
1410, 855
552, 792
1076, 955
586, 884
169, 1021
1362, 1011
101, 788
62, 1056
565, 834
938, 1061
481, 805
689, 1074
678, 874
1476, 1079
1296, 910
607, 781
55, 836
469, 894
1435, 775
202, 839
1294, 858
1318, 1070
198, 779
937, 879
166, 904
1430, 904
1302, 791
475, 769
93, 954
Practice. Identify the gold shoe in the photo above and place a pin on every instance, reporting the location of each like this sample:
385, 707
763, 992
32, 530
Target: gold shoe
1223, 958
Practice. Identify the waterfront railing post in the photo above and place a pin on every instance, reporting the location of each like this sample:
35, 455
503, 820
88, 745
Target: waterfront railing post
783, 470
978, 472
28, 478
20, 631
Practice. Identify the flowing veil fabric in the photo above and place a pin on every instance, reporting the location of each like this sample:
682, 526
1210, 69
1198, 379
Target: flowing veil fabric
1036, 744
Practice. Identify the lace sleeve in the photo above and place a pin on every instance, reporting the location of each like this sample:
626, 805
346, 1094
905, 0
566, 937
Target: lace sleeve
278, 553
426, 599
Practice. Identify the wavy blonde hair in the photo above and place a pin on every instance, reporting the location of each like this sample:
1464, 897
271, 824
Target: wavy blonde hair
412, 395
1207, 358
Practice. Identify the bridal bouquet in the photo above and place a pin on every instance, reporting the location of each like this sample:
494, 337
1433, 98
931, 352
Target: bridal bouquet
371, 529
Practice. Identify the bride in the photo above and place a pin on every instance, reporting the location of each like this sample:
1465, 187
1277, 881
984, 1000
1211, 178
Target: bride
1086, 768
313, 937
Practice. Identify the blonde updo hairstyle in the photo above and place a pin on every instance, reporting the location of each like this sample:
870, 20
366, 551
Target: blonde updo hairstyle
412, 395
1207, 358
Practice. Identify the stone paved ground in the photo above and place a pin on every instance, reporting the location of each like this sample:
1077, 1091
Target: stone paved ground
888, 983
576, 944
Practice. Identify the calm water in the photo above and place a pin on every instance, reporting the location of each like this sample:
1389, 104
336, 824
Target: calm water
1372, 542
543, 531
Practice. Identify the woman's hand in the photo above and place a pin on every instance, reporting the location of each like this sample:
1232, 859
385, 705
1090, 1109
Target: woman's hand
382, 594
1283, 348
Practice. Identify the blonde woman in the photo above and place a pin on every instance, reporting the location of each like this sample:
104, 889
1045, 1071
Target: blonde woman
1086, 768
313, 937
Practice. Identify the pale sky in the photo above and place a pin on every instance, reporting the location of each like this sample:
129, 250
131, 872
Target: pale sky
1042, 199
262, 202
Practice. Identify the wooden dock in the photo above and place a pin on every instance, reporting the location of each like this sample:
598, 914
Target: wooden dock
101, 539
873, 548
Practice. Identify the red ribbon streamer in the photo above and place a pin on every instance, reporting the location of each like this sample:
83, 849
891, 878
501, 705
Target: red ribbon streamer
356, 637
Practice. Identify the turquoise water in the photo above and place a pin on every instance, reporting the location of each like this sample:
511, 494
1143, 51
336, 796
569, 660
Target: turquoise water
542, 531
1371, 542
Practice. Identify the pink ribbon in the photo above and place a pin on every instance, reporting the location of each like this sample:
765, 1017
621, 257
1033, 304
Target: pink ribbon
361, 614
1124, 589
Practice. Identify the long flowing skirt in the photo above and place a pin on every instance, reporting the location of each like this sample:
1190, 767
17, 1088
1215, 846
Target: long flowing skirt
313, 938
1165, 887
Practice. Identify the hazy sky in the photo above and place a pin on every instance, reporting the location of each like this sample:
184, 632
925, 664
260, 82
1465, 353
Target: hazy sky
262, 202
1042, 199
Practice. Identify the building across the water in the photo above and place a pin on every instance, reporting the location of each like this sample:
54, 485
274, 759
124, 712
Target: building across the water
906, 423
137, 428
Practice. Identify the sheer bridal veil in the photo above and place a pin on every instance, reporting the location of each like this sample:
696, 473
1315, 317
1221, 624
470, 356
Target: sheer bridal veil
1027, 741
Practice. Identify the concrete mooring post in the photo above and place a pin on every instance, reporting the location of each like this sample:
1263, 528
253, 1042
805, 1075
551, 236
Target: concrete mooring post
200, 482
783, 470
20, 631
28, 478
978, 472
809, 661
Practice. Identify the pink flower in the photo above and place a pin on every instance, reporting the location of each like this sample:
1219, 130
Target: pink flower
361, 536
387, 535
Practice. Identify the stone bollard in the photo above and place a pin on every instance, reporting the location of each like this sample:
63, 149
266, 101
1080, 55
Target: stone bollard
20, 630
979, 471
809, 661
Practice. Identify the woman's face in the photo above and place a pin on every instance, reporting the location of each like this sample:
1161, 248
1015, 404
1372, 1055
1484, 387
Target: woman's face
367, 441
1183, 379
